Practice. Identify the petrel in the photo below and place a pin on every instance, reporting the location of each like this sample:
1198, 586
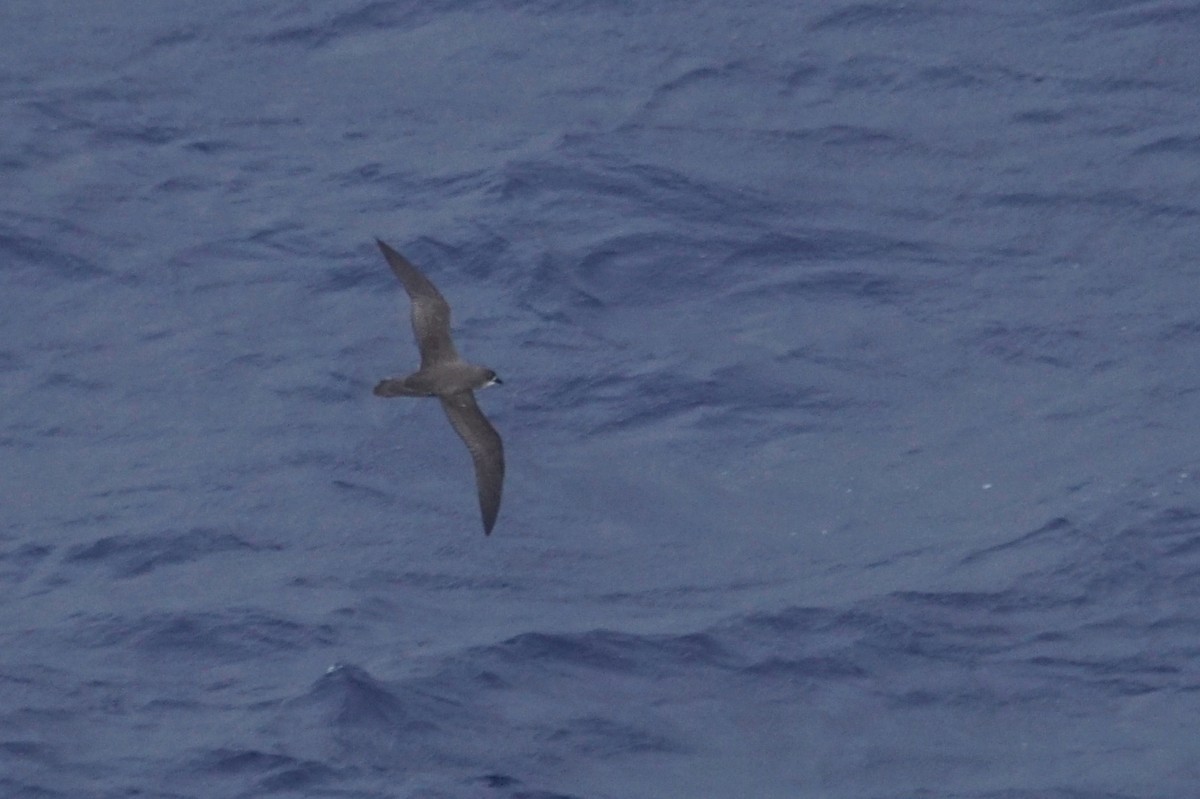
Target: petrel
449, 378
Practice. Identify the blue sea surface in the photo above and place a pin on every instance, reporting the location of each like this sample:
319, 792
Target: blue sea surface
851, 403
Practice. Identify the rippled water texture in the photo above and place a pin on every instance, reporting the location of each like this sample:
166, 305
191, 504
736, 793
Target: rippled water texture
851, 360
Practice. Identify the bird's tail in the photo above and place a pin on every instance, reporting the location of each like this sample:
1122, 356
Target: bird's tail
396, 387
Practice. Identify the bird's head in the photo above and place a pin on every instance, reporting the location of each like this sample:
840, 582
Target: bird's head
490, 378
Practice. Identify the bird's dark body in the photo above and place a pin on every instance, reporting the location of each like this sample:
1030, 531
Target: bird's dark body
435, 381
446, 376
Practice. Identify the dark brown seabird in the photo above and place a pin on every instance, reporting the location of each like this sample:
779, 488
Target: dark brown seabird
449, 378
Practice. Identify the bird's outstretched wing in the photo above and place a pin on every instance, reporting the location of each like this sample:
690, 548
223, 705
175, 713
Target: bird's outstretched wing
486, 450
430, 311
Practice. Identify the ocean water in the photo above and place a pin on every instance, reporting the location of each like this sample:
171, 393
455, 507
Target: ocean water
851, 360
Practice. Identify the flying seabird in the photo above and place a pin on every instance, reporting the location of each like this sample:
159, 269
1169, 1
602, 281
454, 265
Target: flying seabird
449, 378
